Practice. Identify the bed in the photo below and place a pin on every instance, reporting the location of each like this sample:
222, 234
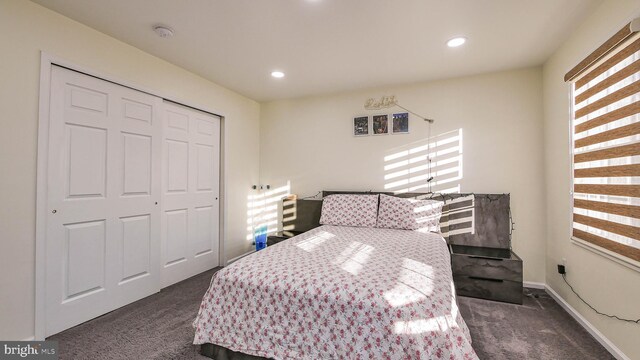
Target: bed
339, 292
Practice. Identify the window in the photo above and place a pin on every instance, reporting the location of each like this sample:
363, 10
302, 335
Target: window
605, 133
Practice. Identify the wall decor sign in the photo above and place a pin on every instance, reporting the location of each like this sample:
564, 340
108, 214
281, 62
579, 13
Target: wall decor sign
361, 126
380, 124
400, 123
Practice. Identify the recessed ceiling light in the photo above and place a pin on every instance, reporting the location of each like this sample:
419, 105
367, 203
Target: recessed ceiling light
456, 41
277, 74
163, 31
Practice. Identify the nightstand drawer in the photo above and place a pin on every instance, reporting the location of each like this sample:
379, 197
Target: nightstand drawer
487, 288
484, 267
487, 273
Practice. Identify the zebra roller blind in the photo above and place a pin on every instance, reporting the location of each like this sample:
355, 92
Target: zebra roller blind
606, 147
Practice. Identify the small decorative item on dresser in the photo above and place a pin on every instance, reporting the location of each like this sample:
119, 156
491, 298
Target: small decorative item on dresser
260, 237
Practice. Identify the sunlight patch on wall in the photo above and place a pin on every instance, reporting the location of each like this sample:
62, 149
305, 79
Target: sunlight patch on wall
289, 212
262, 208
406, 169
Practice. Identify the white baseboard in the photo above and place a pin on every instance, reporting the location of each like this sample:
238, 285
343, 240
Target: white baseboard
239, 257
32, 338
617, 353
534, 285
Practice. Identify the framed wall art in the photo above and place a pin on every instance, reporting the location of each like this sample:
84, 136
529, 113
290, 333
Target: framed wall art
400, 123
361, 126
380, 124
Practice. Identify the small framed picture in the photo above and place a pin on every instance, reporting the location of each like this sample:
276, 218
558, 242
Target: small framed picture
361, 126
400, 123
380, 124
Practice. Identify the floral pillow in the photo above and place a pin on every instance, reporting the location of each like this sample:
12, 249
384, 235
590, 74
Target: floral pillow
409, 214
349, 210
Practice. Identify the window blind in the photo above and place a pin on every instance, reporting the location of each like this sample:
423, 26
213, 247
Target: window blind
606, 149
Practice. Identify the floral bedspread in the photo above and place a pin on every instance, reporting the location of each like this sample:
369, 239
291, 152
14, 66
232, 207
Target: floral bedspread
339, 293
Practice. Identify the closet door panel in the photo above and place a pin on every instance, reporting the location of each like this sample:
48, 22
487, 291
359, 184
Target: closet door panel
103, 223
136, 185
190, 230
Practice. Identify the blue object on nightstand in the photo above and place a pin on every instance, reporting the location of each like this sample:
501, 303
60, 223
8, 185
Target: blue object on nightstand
261, 237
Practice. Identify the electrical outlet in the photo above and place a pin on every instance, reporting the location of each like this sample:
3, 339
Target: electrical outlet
561, 269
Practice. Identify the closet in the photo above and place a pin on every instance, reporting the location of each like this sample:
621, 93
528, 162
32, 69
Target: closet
132, 196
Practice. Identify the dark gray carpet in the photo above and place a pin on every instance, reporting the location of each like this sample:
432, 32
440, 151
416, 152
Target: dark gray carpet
537, 329
156, 327
159, 327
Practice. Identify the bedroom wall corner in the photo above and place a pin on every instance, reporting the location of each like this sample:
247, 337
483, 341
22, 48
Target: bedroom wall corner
493, 120
607, 285
30, 29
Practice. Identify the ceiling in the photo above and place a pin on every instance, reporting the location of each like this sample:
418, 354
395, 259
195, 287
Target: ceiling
328, 46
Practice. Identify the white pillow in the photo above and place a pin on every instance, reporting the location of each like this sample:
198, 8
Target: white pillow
409, 214
349, 210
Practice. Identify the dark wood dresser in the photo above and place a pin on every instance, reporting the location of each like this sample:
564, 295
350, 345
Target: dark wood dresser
487, 273
482, 262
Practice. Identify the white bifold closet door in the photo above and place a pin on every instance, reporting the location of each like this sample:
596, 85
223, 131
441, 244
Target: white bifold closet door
132, 197
104, 179
190, 195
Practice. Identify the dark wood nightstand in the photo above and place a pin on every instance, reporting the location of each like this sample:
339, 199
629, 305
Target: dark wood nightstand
274, 239
487, 273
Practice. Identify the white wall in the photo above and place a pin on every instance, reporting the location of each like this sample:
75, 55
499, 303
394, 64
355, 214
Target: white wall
29, 28
309, 143
610, 287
